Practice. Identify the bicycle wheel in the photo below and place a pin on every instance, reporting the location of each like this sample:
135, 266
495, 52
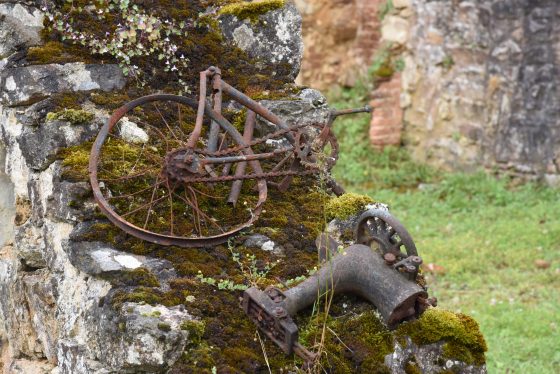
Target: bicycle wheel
149, 184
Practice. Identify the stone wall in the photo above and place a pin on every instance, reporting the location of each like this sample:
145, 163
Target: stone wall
340, 38
479, 87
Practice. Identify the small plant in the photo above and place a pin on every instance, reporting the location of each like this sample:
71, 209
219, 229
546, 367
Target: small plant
448, 62
399, 64
248, 265
385, 9
221, 284
131, 33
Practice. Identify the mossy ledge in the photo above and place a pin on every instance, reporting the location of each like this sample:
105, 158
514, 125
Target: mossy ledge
461, 333
73, 116
251, 10
347, 205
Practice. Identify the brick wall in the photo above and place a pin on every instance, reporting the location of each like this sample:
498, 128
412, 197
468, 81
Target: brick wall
341, 38
387, 121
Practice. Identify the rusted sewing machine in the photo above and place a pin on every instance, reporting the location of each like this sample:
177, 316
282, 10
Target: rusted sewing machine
161, 178
381, 267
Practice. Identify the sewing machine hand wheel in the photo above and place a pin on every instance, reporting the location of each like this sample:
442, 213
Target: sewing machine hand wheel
380, 226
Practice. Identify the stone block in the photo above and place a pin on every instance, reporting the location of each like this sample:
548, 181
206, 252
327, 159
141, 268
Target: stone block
275, 41
395, 29
20, 27
26, 85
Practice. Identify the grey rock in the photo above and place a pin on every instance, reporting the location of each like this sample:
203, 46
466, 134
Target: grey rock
141, 338
264, 243
30, 245
100, 259
427, 358
25, 85
20, 27
308, 108
73, 203
97, 258
40, 144
275, 41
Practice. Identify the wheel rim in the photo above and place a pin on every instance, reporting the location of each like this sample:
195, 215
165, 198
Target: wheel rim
133, 191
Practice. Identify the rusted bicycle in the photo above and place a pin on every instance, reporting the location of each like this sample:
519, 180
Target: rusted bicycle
174, 171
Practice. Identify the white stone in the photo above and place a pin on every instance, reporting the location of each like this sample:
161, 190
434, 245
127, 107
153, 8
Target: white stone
105, 260
128, 262
243, 37
268, 246
10, 83
28, 17
80, 77
130, 132
395, 29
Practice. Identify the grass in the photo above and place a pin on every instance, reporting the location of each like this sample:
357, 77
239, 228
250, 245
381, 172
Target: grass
484, 232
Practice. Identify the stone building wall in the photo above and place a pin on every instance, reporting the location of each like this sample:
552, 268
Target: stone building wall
340, 39
479, 86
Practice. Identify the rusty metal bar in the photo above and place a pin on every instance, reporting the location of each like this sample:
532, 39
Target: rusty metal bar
248, 130
193, 138
217, 99
365, 109
232, 159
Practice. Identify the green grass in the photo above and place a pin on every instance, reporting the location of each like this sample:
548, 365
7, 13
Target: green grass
484, 232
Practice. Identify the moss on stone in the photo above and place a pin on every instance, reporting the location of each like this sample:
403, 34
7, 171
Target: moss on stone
75, 160
195, 329
53, 52
344, 206
351, 344
73, 116
139, 277
462, 335
164, 326
109, 100
147, 295
135, 277
411, 368
251, 10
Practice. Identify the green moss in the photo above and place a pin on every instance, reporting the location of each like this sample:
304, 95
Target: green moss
195, 330
136, 277
352, 344
251, 10
242, 358
73, 116
140, 277
164, 326
106, 232
344, 206
464, 341
147, 295
50, 52
411, 368
75, 160
109, 100
73, 100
